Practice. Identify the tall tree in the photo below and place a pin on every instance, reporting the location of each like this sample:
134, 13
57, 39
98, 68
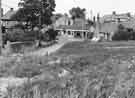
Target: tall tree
31, 10
77, 13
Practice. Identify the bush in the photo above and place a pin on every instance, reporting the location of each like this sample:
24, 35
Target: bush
18, 34
14, 35
52, 34
20, 26
123, 33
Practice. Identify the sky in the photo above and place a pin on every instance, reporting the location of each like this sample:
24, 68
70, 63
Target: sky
92, 6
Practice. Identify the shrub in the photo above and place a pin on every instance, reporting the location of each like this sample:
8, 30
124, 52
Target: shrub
20, 26
52, 34
18, 34
30, 35
14, 35
123, 33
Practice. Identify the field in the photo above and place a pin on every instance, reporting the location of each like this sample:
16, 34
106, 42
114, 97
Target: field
81, 70
97, 53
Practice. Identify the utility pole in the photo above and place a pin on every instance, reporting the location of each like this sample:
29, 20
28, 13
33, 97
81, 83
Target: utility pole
40, 16
0, 28
91, 15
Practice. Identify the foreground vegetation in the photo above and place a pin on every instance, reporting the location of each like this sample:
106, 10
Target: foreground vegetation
78, 70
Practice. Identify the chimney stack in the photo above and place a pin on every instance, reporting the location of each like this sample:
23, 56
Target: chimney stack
11, 9
2, 12
98, 17
114, 12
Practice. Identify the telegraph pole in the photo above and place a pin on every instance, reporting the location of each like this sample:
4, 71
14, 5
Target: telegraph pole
0, 28
40, 16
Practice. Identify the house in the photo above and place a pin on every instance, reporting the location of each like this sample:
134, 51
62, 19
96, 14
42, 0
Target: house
78, 29
7, 22
114, 17
107, 25
64, 20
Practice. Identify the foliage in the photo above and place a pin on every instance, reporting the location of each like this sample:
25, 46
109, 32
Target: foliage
48, 35
20, 26
52, 34
77, 12
90, 22
30, 11
124, 33
14, 35
17, 34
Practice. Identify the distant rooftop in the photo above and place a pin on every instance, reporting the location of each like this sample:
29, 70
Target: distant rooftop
114, 16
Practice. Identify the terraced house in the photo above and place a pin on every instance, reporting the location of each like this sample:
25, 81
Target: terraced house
107, 25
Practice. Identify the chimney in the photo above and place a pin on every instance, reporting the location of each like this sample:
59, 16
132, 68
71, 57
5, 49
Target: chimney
94, 19
11, 9
98, 17
2, 12
128, 14
114, 12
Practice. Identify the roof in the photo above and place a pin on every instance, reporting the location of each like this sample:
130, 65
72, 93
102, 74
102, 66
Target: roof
79, 21
9, 14
78, 24
64, 20
73, 27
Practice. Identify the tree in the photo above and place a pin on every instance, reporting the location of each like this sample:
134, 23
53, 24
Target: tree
77, 13
31, 10
90, 22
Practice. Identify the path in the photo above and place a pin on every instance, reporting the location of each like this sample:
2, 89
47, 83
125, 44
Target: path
12, 81
47, 51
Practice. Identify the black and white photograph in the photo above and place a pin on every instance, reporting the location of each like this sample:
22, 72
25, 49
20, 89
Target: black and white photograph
67, 49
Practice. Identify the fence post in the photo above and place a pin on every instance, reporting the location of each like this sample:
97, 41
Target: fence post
36, 92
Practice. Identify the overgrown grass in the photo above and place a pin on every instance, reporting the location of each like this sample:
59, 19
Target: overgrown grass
94, 71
